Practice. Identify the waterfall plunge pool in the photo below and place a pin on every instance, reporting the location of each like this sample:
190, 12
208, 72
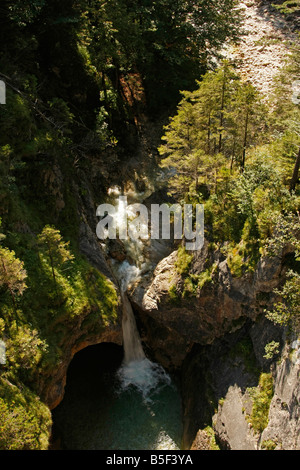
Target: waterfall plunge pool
109, 405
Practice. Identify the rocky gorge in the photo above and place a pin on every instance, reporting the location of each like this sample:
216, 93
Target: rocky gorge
215, 337
198, 317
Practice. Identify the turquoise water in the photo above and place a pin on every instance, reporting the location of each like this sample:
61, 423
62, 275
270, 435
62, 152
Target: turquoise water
103, 410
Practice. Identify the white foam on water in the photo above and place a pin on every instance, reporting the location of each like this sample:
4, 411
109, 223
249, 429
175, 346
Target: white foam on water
165, 442
126, 274
145, 376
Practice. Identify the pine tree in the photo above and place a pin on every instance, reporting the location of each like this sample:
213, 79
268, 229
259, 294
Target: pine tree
181, 148
248, 119
286, 115
52, 244
216, 122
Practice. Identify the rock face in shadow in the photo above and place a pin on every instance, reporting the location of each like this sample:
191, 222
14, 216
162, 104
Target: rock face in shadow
172, 320
283, 430
231, 424
216, 338
79, 338
216, 380
215, 384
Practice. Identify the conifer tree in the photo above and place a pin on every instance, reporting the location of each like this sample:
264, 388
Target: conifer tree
181, 148
217, 121
286, 105
247, 115
52, 244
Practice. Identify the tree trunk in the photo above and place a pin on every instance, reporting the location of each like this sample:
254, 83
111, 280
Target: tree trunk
245, 141
232, 157
295, 176
222, 111
208, 136
52, 267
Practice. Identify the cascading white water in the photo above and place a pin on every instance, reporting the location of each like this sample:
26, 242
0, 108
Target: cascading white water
137, 370
133, 405
133, 350
137, 373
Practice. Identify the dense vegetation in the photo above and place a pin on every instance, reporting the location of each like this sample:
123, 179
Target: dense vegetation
79, 75
238, 154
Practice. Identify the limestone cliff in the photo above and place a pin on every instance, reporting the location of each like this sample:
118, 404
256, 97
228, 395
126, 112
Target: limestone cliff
217, 338
220, 305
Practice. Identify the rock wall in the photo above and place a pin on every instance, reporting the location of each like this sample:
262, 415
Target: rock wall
283, 429
216, 382
80, 336
221, 306
217, 340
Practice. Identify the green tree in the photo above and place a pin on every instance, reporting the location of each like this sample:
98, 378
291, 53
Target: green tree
247, 115
181, 149
12, 274
286, 310
216, 121
286, 114
166, 42
52, 244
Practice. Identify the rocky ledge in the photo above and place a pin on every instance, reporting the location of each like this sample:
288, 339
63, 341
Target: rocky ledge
171, 324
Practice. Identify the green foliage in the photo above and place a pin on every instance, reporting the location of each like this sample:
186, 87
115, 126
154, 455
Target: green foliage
12, 274
192, 283
51, 243
34, 346
213, 127
271, 349
258, 181
288, 7
25, 422
286, 311
206, 276
212, 438
183, 260
25, 12
261, 397
24, 348
286, 232
174, 295
160, 42
268, 445
79, 75
241, 258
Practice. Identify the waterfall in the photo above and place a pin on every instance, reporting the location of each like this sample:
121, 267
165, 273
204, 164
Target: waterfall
133, 349
137, 370
132, 405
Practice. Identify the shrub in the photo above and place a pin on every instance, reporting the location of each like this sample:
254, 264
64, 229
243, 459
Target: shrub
25, 422
261, 399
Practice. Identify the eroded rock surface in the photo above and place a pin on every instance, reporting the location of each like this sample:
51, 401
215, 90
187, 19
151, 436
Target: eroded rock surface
218, 307
283, 429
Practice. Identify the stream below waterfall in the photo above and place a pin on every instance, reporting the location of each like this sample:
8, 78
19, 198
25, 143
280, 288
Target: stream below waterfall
111, 405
